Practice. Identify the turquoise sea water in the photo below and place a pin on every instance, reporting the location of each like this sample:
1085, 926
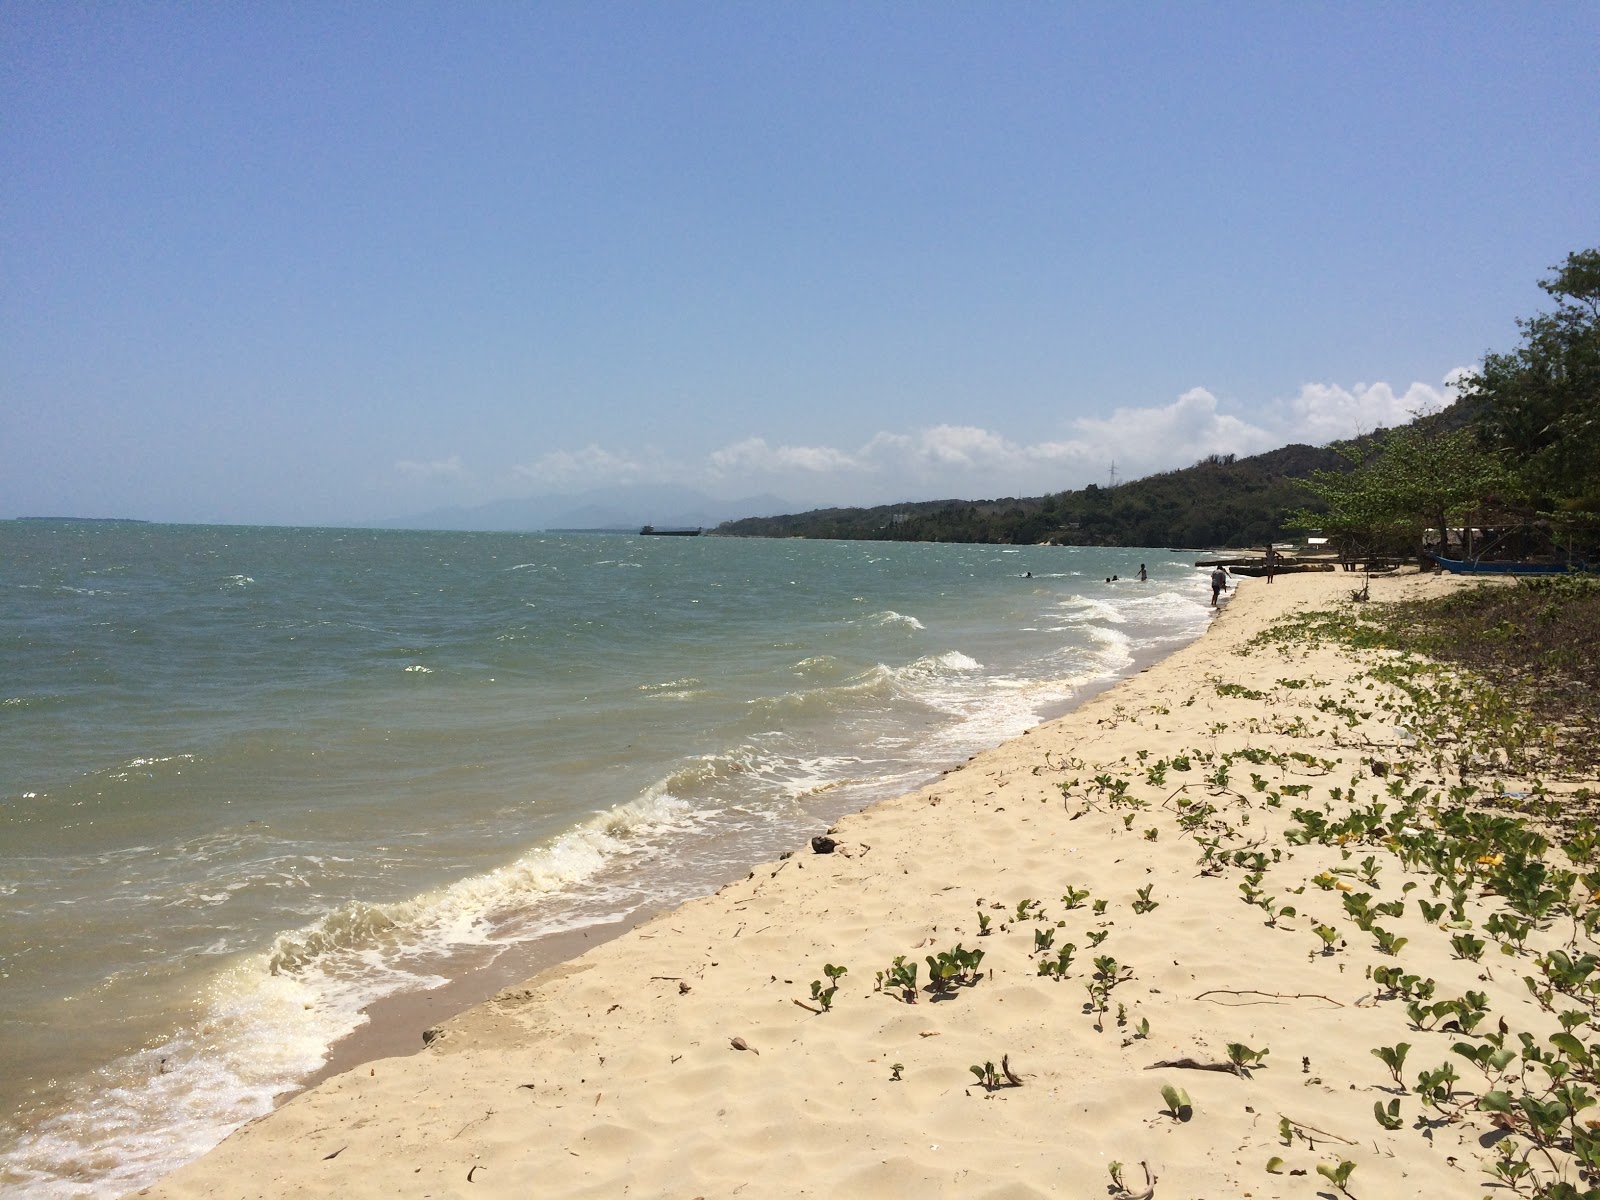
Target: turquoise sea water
252, 780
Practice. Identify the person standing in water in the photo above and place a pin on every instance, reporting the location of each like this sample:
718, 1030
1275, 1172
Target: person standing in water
1219, 584
1142, 575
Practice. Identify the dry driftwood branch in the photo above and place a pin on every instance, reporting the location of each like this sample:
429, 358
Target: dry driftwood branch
1268, 995
1193, 1064
1149, 1186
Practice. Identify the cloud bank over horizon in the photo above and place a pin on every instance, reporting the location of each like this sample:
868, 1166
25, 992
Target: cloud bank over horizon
955, 460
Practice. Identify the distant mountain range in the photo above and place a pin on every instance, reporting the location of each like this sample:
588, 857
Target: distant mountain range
626, 507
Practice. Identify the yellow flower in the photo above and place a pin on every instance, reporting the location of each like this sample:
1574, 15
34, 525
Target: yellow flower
1491, 860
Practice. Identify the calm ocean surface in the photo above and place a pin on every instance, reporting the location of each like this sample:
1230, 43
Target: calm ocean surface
252, 780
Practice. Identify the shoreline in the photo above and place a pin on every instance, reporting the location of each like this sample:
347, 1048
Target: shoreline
688, 1055
397, 1025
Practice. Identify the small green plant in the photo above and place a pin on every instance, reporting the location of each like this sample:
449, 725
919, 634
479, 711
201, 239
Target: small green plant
1468, 947
1042, 938
1394, 1057
983, 924
991, 1078
1057, 967
1108, 973
1142, 903
1388, 942
1329, 936
1242, 1058
1179, 1106
1075, 897
1388, 1116
952, 968
824, 995
1338, 1174
902, 976
1437, 1086
1491, 1057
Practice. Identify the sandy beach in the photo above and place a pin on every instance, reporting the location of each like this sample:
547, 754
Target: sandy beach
695, 1056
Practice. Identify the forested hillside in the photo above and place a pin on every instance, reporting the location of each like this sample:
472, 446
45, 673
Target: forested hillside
1220, 501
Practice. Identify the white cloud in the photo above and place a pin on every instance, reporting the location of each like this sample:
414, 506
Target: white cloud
445, 470
1325, 412
589, 467
753, 455
976, 461
1142, 440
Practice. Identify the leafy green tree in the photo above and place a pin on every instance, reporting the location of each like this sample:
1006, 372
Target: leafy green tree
1540, 404
1407, 481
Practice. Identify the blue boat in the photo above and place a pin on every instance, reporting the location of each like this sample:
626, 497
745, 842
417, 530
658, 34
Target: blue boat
1460, 566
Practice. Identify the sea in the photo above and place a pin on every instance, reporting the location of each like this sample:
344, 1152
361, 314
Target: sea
254, 780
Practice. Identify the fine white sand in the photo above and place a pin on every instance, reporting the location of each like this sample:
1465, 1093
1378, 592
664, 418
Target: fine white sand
619, 1073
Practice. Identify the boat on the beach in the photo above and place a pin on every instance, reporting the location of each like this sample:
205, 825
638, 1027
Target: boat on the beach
1257, 567
1460, 566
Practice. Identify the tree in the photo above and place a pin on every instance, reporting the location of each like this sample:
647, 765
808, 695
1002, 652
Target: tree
1540, 404
1406, 481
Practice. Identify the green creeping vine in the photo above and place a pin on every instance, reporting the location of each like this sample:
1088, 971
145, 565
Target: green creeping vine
953, 968
1477, 841
824, 995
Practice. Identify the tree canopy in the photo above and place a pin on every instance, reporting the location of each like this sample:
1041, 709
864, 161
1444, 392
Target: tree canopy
1539, 405
1532, 442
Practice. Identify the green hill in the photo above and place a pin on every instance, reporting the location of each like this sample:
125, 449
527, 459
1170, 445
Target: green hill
1220, 501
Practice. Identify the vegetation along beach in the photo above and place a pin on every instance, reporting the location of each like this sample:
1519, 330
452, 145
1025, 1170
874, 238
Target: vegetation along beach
1291, 912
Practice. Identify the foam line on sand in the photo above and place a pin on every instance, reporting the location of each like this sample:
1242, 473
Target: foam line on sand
688, 1057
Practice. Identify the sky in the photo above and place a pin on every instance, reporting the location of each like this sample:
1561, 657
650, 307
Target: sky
296, 263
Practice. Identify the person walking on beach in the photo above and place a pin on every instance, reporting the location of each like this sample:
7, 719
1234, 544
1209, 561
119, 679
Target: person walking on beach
1219, 584
1142, 575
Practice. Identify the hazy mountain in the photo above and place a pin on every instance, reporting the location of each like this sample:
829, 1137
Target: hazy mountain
664, 505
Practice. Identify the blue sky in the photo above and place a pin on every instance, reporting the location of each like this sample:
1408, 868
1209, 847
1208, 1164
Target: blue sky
300, 263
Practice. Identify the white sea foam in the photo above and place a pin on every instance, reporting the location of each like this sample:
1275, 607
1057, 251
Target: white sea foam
890, 617
1082, 609
270, 1017
817, 664
672, 689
